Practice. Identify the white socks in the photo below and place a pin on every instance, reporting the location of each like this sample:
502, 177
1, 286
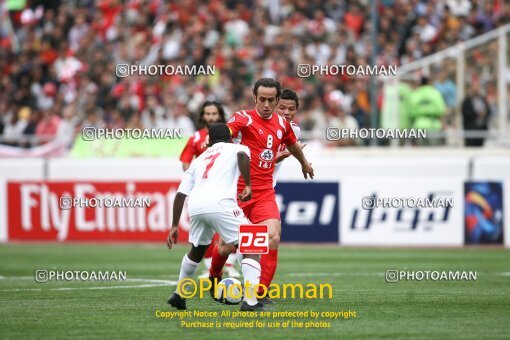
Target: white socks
188, 268
231, 259
207, 262
239, 257
251, 273
249, 267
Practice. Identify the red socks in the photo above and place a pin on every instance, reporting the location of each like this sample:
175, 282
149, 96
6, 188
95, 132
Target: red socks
214, 243
268, 263
209, 251
217, 263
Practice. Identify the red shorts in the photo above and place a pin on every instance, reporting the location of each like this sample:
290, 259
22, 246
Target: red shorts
261, 207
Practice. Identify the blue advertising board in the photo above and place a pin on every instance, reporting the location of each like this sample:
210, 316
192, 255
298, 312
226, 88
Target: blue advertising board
309, 211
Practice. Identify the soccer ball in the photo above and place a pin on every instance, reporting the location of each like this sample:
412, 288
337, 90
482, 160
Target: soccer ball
229, 291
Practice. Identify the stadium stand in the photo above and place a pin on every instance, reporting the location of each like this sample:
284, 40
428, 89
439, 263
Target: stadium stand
57, 58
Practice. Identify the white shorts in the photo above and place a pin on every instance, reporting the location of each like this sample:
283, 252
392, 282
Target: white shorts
203, 226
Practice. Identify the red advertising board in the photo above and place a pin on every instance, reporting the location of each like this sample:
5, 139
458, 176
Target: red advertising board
35, 214
253, 239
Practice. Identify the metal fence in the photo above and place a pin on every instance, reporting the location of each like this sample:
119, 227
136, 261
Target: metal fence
481, 61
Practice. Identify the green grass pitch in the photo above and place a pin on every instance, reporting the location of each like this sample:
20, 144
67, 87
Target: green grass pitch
412, 309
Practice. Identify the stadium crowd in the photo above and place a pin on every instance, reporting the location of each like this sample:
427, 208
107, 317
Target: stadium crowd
58, 58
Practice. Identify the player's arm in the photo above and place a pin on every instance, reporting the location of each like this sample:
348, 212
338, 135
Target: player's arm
296, 151
183, 191
243, 162
187, 154
177, 211
281, 155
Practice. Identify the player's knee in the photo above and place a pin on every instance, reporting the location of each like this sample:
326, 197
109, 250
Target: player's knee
196, 254
223, 250
226, 249
274, 240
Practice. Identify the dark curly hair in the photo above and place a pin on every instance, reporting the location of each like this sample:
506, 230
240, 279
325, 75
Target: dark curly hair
290, 95
201, 121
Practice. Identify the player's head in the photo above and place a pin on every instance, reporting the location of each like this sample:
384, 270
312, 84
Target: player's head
266, 93
210, 113
218, 133
288, 104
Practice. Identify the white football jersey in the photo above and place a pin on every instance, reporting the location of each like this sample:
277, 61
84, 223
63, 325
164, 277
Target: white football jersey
297, 132
211, 180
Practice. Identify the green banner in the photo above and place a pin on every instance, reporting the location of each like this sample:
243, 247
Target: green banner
126, 147
15, 5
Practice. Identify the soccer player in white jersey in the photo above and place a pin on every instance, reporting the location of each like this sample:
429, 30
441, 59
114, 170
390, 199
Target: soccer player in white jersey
211, 184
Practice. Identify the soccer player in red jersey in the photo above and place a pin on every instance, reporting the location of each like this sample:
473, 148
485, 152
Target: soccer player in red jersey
286, 108
263, 131
211, 112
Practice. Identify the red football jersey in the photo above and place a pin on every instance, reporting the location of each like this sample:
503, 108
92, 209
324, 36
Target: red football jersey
194, 145
263, 137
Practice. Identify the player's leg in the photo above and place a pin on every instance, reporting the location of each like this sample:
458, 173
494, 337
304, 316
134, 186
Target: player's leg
229, 265
196, 254
227, 225
220, 258
208, 253
266, 212
208, 256
228, 251
220, 255
250, 267
191, 261
269, 261
200, 237
230, 268
189, 265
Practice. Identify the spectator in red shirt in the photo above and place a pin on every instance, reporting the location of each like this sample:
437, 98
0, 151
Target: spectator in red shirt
354, 20
48, 126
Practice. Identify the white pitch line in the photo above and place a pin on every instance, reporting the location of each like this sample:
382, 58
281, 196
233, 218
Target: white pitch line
117, 287
153, 281
132, 280
150, 283
17, 277
334, 274
21, 290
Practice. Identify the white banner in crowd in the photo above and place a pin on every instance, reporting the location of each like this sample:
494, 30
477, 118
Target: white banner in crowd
391, 222
55, 148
